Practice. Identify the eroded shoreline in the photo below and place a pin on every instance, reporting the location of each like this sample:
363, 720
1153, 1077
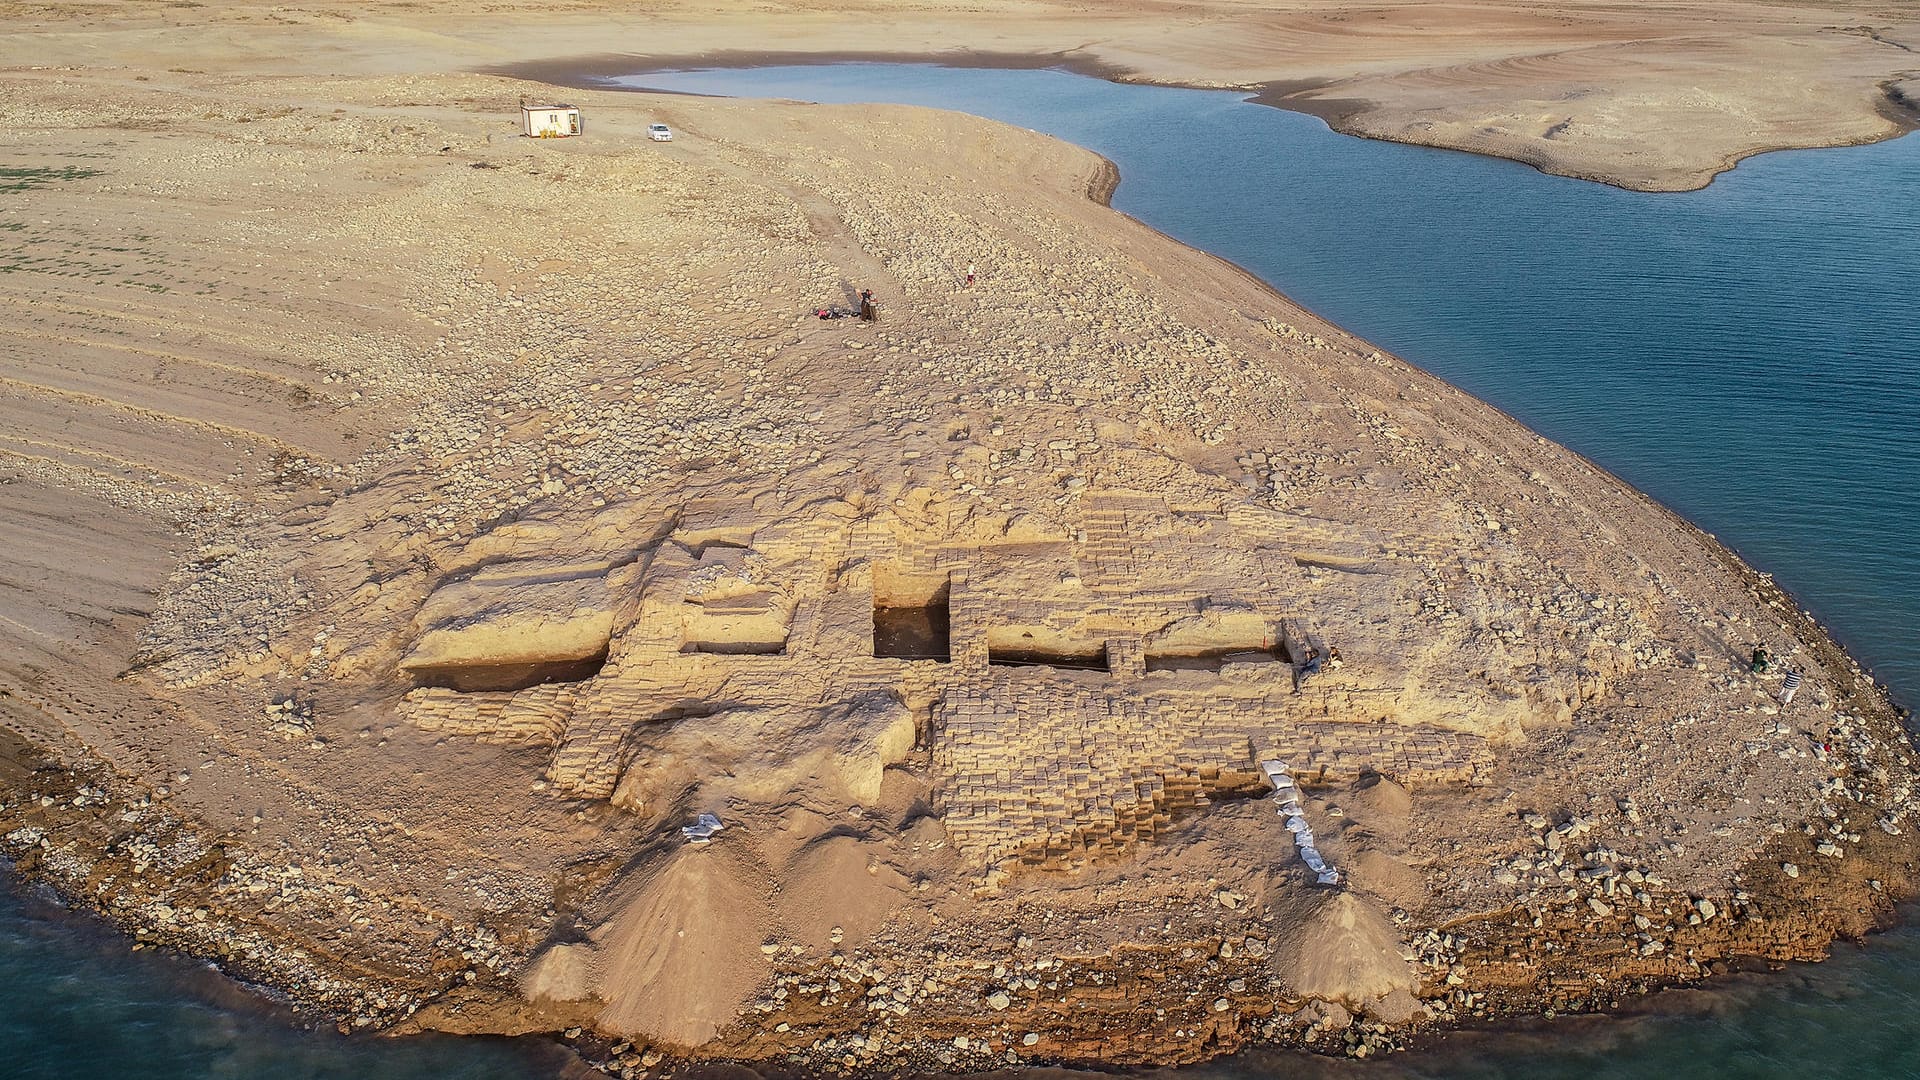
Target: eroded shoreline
90, 843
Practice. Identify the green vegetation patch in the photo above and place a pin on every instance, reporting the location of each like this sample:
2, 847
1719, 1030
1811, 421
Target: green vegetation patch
26, 178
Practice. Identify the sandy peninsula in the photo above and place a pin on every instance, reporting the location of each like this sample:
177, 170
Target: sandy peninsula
414, 527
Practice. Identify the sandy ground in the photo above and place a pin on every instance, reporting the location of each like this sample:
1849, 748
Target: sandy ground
1644, 95
317, 385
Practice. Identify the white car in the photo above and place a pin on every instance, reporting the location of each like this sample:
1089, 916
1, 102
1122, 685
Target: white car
659, 133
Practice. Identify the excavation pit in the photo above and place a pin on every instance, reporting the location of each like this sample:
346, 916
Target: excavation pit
913, 633
751, 622
1215, 659
1076, 660
912, 617
494, 678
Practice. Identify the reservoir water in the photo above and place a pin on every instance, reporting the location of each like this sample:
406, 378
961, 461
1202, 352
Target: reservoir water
75, 1002
1747, 353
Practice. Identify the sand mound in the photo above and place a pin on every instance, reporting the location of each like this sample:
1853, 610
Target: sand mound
564, 972
1382, 877
681, 953
1345, 950
839, 881
1395, 1008
1379, 802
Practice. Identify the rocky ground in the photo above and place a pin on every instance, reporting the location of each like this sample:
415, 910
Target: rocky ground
292, 355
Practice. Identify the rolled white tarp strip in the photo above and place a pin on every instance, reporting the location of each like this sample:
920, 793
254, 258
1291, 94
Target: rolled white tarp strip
1287, 795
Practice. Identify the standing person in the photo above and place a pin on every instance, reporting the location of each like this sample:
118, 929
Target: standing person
969, 275
1789, 687
866, 305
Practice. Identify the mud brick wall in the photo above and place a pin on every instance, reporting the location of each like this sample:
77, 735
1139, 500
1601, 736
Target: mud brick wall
1031, 763
1055, 773
1333, 752
967, 628
533, 717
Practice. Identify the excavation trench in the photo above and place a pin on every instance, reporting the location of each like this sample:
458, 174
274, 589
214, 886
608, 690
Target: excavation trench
480, 678
912, 617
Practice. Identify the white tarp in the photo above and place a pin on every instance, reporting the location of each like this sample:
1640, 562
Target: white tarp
1287, 794
702, 829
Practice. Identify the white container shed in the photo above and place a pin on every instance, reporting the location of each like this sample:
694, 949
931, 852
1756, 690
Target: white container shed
550, 121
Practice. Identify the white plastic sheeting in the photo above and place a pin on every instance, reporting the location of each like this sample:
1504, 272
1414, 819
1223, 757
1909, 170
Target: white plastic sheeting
702, 829
1287, 794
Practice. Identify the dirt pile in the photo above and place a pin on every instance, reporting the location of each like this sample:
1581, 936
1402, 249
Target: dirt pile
838, 891
680, 952
1346, 950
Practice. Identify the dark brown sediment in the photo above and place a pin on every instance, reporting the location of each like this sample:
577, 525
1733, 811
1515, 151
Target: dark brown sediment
1900, 104
1104, 183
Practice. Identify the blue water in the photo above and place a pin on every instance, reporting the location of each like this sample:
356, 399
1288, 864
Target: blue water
76, 1002
1745, 353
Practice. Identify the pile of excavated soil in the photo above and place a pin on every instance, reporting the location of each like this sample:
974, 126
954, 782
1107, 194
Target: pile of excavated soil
842, 883
680, 952
1345, 950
